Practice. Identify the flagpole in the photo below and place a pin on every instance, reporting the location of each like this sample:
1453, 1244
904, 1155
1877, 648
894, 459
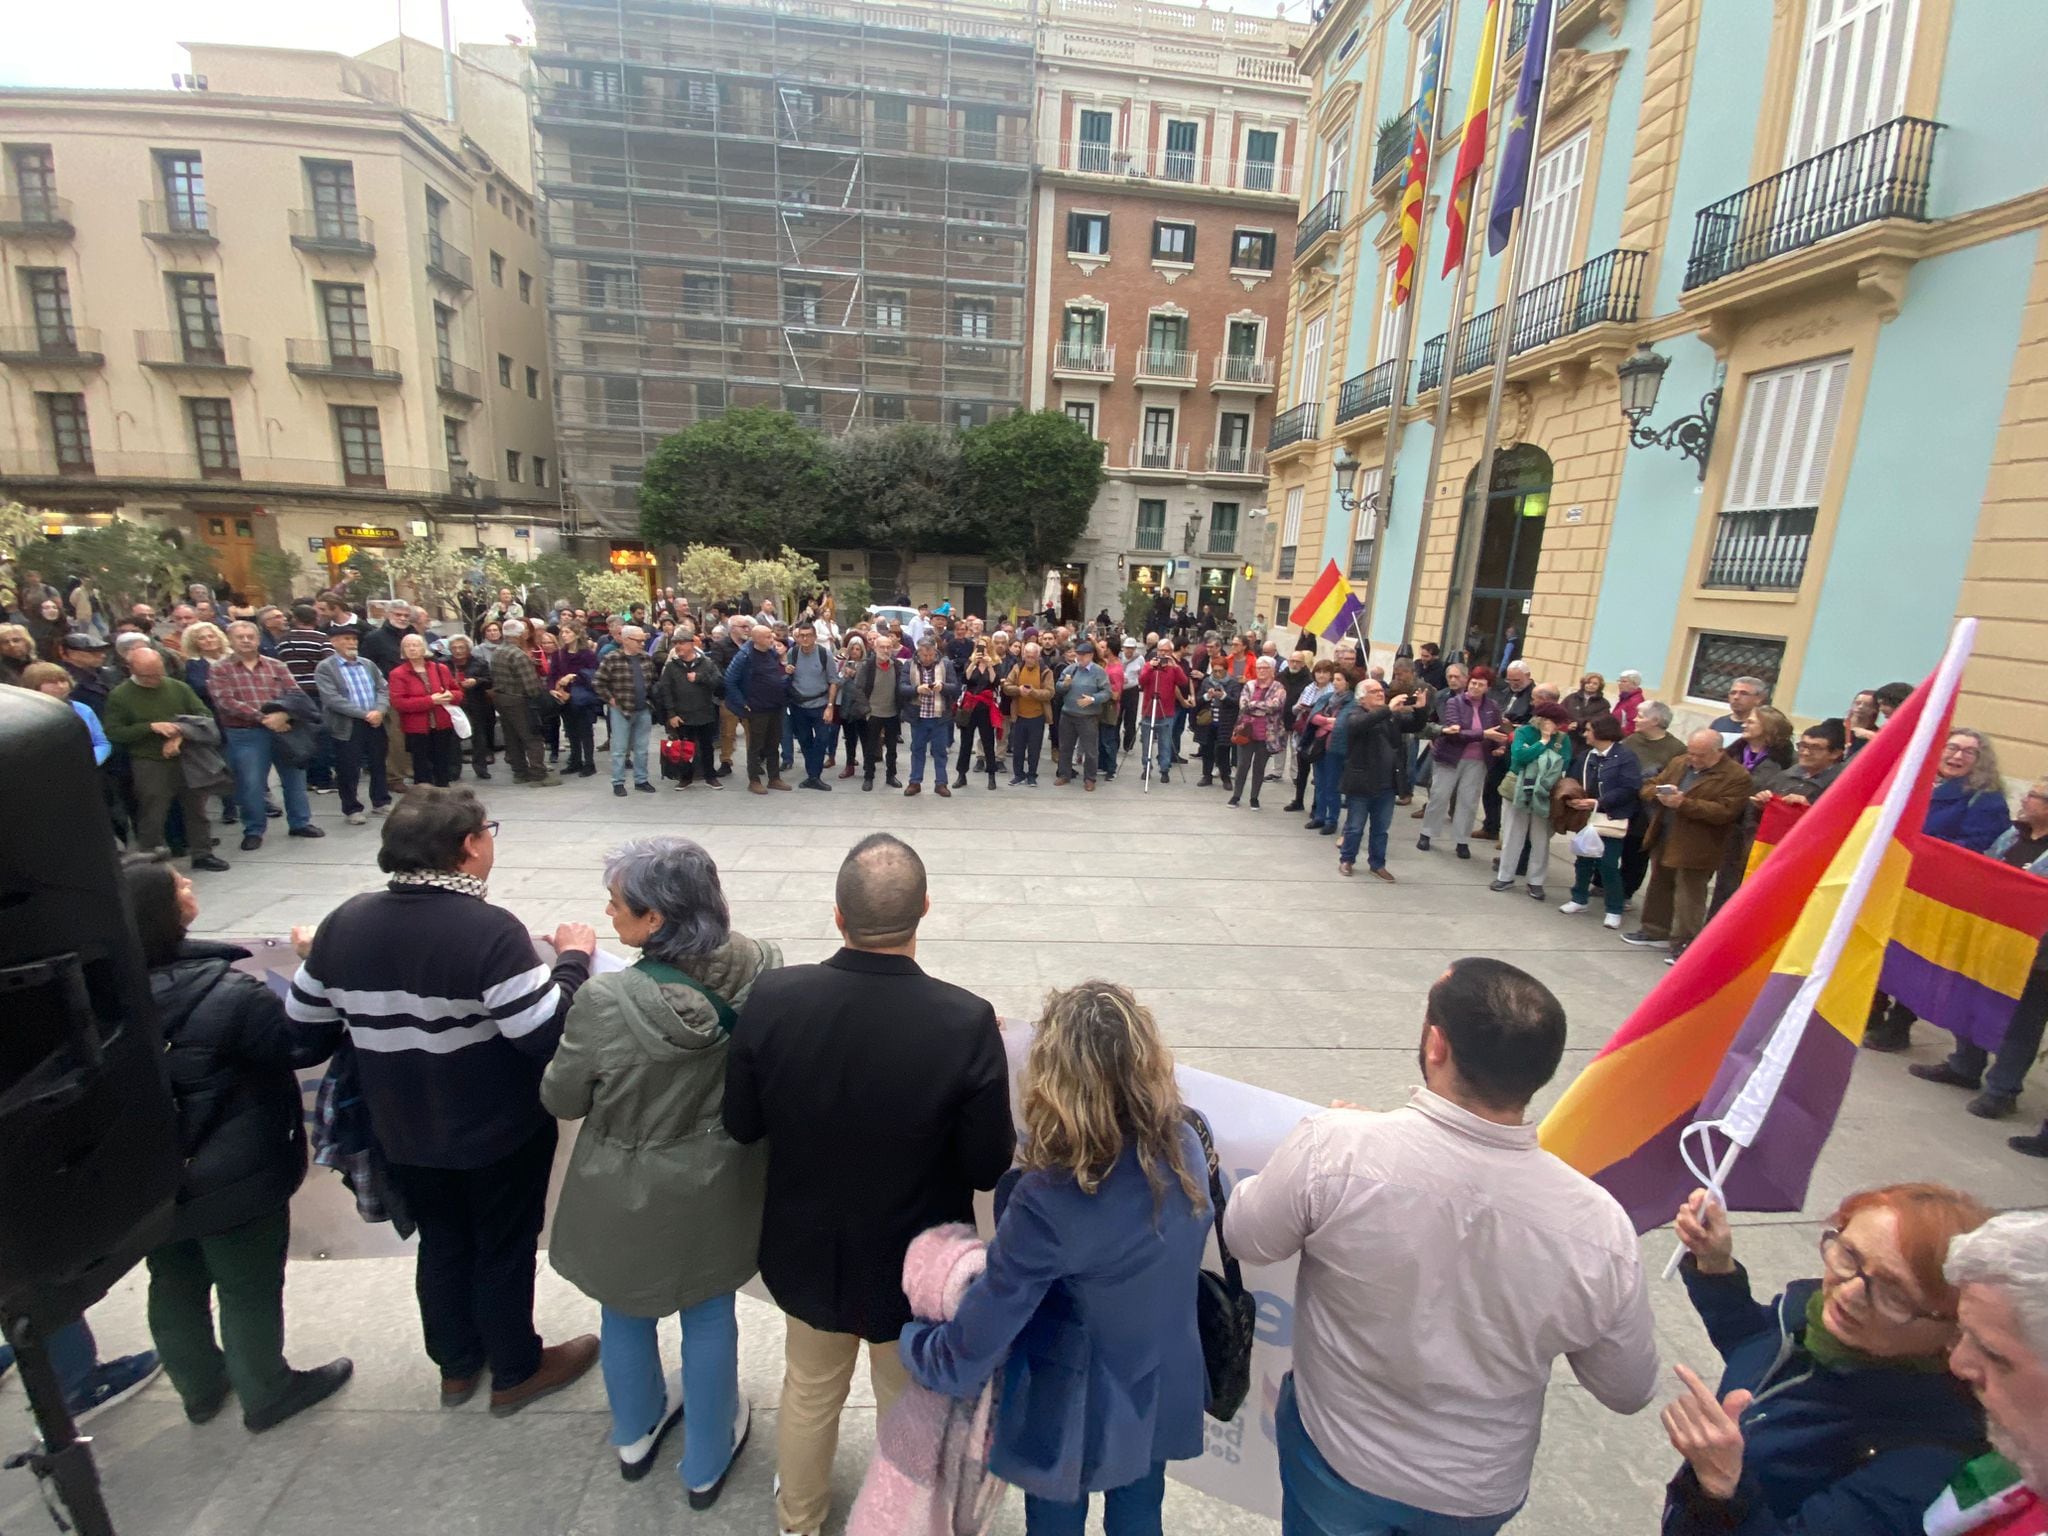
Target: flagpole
1443, 400
1404, 340
1504, 331
1744, 1118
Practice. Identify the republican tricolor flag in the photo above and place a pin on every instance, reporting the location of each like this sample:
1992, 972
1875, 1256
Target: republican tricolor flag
1330, 606
1730, 1073
1472, 144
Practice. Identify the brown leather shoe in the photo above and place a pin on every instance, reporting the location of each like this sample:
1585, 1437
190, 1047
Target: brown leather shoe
756, 787
911, 789
1088, 784
457, 1390
560, 1366
940, 789
1384, 874
848, 771
780, 784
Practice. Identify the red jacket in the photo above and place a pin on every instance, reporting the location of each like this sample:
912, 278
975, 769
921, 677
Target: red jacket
410, 697
1160, 687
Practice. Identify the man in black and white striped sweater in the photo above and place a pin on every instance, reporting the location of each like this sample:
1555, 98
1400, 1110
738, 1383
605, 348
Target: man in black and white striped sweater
453, 1018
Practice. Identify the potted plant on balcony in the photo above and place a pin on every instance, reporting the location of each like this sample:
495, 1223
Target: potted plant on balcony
1391, 140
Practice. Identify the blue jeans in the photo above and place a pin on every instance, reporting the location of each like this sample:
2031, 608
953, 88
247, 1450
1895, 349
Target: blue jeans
1316, 1501
629, 738
933, 736
1359, 810
251, 750
1105, 752
630, 1356
1132, 1510
1329, 801
807, 725
1156, 741
1606, 869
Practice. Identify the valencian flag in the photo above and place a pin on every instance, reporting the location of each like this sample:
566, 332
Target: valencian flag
1511, 186
1472, 146
1754, 1031
1419, 143
1330, 606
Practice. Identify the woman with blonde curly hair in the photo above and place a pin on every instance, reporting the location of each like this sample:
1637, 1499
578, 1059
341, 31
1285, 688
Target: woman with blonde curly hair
1087, 1306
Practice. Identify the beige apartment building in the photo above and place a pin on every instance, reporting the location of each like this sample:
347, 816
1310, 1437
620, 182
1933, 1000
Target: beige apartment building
303, 300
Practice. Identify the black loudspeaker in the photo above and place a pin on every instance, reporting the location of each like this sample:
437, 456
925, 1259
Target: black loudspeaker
89, 1162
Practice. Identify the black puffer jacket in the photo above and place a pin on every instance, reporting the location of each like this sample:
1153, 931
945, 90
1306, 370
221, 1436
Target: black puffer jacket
1375, 760
230, 1054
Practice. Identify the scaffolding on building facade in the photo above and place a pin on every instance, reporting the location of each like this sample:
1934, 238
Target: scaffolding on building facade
815, 205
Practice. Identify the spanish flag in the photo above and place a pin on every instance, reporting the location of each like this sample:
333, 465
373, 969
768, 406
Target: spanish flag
1420, 141
1752, 1034
1330, 606
1472, 146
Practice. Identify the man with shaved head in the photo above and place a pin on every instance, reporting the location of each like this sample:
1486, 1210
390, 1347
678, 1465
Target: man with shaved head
826, 1057
142, 717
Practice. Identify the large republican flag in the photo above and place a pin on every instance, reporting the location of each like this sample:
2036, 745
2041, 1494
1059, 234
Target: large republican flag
1330, 606
1751, 1036
1472, 144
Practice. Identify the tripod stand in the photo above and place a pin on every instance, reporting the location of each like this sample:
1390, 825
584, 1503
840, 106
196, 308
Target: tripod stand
64, 1459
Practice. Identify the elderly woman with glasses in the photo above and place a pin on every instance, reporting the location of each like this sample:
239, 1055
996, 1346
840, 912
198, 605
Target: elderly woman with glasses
1835, 1411
660, 1210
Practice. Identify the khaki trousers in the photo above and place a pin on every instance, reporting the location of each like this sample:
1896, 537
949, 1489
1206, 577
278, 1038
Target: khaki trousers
817, 1369
728, 730
1675, 906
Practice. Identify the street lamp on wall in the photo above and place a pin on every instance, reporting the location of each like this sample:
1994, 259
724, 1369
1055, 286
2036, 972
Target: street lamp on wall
1641, 374
1347, 474
464, 484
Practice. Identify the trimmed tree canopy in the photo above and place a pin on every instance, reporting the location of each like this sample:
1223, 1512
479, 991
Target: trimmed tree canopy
1029, 481
753, 479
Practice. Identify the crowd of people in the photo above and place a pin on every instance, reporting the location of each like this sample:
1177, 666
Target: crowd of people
729, 1101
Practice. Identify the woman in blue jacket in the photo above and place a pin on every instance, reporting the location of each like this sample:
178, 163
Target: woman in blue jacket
1836, 1414
1087, 1306
1613, 784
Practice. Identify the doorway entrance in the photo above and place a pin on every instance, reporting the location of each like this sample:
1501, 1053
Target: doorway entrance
1492, 620
232, 539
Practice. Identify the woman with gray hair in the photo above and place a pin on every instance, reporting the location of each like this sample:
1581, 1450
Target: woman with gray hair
660, 1210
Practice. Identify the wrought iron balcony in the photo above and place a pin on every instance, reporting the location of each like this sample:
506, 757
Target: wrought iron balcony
1298, 425
332, 231
317, 357
1166, 364
1391, 152
1882, 174
1085, 357
203, 351
39, 216
51, 346
180, 222
1159, 458
1234, 459
1607, 288
1234, 371
1363, 393
1761, 551
1519, 23
457, 380
445, 264
1327, 217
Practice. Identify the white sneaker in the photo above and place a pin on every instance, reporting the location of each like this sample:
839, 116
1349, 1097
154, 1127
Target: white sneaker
637, 1459
1611, 920
1572, 908
355, 818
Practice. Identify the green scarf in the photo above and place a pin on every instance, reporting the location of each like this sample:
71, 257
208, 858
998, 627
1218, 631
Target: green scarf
1832, 1353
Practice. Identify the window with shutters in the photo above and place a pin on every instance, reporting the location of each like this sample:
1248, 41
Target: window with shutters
1088, 234
1368, 489
1097, 129
1223, 527
444, 346
345, 317
512, 465
1157, 450
1261, 158
451, 440
1151, 525
1251, 250
70, 433
1182, 143
197, 308
1290, 531
1783, 447
1390, 320
1173, 242
35, 182
183, 177
1553, 217
1852, 72
540, 471
213, 438
1082, 412
1308, 378
49, 300
333, 185
362, 445
1336, 163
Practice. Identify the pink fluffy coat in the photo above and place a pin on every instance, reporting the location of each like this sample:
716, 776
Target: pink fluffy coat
929, 1475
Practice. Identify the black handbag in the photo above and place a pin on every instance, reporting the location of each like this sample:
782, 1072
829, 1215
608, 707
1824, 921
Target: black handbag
1225, 1313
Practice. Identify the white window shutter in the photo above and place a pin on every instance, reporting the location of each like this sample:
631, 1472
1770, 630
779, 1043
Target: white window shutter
1290, 526
1782, 450
1368, 488
1390, 322
1852, 73
1308, 382
1552, 216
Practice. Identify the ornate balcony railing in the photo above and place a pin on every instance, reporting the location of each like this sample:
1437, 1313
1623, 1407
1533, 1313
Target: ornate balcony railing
1607, 288
1166, 363
1392, 150
1234, 459
1084, 357
1366, 392
1326, 217
1761, 551
1298, 425
1249, 372
1882, 174
1158, 456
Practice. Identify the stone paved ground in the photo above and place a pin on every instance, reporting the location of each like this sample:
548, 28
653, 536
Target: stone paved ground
1262, 965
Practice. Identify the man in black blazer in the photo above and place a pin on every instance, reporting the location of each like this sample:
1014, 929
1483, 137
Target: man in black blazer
885, 1099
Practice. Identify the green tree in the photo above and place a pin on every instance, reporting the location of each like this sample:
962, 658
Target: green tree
127, 562
708, 574
610, 591
898, 488
753, 479
432, 573
789, 578
1028, 484
550, 574
19, 526
1012, 591
278, 571
1137, 604
851, 598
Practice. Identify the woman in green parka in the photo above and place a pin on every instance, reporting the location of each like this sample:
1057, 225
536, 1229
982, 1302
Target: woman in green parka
660, 1210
